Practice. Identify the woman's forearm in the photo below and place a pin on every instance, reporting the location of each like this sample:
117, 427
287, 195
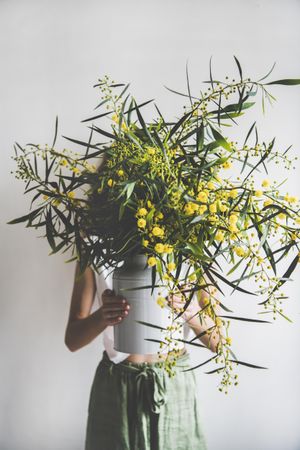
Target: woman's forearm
212, 337
81, 332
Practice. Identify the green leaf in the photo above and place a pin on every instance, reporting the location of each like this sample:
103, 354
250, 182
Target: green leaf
179, 123
142, 122
230, 283
247, 364
287, 274
49, 229
55, 133
215, 370
85, 144
29, 216
245, 319
220, 139
239, 67
265, 244
106, 133
265, 76
287, 81
129, 189
285, 317
150, 324
201, 364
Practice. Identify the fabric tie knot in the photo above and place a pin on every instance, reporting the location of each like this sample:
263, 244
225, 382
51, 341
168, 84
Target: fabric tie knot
151, 389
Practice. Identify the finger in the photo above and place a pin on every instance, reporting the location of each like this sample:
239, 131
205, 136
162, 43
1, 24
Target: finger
115, 307
112, 300
114, 321
108, 315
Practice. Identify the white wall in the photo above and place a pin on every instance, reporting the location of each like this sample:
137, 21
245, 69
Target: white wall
51, 55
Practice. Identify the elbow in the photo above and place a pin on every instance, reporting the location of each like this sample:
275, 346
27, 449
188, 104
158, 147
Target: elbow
69, 344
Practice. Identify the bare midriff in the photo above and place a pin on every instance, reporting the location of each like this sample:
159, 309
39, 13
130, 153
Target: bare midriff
137, 358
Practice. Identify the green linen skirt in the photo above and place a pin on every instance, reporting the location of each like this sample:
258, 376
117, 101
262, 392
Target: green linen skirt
136, 406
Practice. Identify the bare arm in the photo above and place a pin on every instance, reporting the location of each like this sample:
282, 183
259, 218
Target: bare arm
212, 337
83, 327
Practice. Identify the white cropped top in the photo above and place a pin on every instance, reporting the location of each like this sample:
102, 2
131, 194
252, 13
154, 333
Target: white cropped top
104, 281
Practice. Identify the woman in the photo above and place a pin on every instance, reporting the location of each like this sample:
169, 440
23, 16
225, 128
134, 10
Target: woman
133, 404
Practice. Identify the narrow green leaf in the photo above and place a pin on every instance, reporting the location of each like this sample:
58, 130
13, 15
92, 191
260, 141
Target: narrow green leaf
239, 67
247, 364
245, 319
201, 364
220, 139
29, 216
49, 228
55, 133
287, 274
150, 324
287, 82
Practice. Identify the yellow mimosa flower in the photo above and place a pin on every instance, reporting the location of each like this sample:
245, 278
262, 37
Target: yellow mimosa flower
168, 248
159, 247
210, 185
213, 208
145, 242
151, 150
157, 231
151, 261
141, 223
161, 301
120, 172
110, 182
219, 321
160, 215
228, 340
223, 208
265, 183
239, 251
259, 261
233, 193
63, 162
293, 199
192, 277
202, 209
226, 165
219, 235
258, 193
56, 201
233, 218
202, 197
115, 117
142, 211
71, 194
149, 204
166, 276
171, 266
188, 209
232, 227
281, 216
268, 202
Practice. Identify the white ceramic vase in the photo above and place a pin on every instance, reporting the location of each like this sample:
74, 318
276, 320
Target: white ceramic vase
129, 335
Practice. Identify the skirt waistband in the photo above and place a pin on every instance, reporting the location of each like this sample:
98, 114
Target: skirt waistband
183, 360
151, 379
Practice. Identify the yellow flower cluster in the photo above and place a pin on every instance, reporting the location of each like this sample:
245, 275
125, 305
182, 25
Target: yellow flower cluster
161, 301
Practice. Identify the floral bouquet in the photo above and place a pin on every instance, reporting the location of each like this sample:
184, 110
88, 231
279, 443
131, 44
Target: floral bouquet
163, 191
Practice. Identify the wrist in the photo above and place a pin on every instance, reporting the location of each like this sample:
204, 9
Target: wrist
100, 318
